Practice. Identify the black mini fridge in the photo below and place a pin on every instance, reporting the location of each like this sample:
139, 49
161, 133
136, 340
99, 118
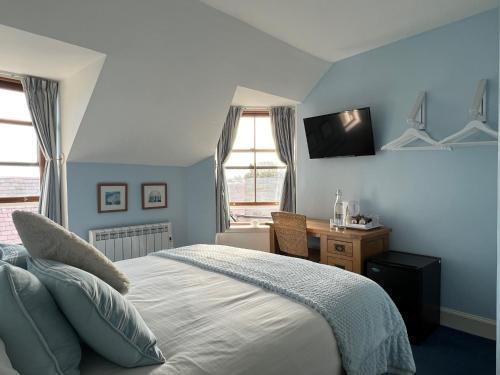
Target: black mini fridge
414, 284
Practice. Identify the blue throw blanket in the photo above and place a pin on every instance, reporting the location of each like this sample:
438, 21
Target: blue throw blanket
370, 333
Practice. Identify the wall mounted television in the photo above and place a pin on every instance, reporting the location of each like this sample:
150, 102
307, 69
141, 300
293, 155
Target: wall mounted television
347, 133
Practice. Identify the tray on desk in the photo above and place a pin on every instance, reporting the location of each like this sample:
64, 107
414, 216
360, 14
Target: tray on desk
368, 226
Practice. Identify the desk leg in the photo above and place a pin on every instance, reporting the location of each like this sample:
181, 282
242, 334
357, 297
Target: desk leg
273, 241
323, 246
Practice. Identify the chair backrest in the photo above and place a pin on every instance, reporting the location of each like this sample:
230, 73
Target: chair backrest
291, 233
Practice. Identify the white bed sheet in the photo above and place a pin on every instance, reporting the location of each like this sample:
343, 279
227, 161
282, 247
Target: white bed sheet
207, 323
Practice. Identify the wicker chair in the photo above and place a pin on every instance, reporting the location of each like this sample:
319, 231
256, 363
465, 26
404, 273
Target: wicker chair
291, 233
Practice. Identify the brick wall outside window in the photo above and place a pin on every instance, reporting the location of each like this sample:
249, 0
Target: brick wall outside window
8, 233
11, 187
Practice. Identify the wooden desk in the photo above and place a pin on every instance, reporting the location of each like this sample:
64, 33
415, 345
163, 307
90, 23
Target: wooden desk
346, 249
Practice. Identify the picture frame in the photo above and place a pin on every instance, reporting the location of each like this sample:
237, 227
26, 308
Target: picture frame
112, 197
154, 195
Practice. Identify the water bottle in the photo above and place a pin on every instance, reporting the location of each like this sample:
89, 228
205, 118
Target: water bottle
338, 211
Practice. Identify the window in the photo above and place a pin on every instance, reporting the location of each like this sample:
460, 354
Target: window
19, 158
254, 173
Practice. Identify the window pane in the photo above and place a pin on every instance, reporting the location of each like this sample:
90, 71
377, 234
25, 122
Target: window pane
269, 184
240, 159
240, 184
244, 136
261, 214
17, 171
19, 186
13, 106
263, 133
18, 143
268, 159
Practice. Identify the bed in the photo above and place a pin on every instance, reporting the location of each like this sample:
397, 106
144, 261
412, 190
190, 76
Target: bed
210, 322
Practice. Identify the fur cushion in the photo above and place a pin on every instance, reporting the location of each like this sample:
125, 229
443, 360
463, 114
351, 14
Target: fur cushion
45, 239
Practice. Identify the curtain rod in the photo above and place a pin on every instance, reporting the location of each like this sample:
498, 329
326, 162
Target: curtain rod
11, 75
3, 73
255, 108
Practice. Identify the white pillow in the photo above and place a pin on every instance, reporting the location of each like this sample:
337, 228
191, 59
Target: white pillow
45, 239
5, 365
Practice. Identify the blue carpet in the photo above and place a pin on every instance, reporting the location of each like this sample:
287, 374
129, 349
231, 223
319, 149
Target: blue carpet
447, 351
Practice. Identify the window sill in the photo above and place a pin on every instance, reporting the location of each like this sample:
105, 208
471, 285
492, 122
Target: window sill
18, 204
248, 228
27, 199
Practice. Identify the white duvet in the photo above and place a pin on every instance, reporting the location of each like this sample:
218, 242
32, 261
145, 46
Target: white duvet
208, 323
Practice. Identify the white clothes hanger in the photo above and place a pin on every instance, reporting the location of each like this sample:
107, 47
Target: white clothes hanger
477, 125
416, 119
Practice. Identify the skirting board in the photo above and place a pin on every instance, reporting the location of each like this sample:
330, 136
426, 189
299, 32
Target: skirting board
473, 324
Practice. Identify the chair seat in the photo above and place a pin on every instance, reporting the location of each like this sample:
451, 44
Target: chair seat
314, 255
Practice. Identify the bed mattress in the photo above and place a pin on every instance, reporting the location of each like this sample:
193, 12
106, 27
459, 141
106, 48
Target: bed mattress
209, 323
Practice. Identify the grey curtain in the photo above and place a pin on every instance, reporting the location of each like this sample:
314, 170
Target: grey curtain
283, 125
42, 97
224, 147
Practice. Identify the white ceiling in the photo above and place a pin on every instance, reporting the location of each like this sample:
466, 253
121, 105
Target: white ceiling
22, 52
254, 98
336, 29
170, 69
170, 73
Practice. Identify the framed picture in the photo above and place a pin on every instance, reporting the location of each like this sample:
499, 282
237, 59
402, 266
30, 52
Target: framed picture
154, 195
112, 197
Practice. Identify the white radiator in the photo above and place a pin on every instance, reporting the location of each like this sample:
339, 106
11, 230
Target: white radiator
133, 241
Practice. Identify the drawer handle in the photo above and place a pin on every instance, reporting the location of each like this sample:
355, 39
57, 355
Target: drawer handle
340, 248
375, 269
340, 266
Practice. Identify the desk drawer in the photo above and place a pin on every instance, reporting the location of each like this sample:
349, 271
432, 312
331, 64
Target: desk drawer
340, 248
340, 263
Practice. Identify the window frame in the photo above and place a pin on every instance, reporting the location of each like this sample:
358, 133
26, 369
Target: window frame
15, 85
254, 151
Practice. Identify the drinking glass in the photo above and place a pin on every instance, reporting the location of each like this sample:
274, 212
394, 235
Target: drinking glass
354, 208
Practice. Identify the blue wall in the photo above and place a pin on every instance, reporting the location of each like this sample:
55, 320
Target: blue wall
190, 194
437, 203
200, 188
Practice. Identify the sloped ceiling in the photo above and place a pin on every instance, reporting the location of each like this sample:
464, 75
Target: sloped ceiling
75, 67
336, 29
171, 70
253, 98
26, 53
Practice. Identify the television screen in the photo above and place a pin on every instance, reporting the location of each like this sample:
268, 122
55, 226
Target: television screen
347, 133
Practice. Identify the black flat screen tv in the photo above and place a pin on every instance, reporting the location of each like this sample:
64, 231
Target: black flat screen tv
347, 133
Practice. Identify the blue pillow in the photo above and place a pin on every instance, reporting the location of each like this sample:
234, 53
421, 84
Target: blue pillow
39, 340
103, 318
14, 254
